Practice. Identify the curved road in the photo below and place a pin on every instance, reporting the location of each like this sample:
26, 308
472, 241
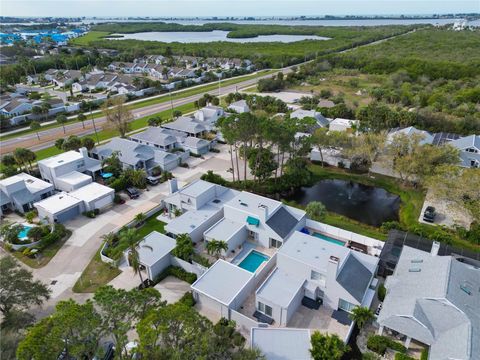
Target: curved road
48, 136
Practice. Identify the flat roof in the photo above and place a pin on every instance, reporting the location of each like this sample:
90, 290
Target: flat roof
341, 121
190, 220
62, 158
58, 202
224, 229
32, 183
280, 288
196, 188
282, 344
154, 247
222, 281
91, 192
74, 178
251, 203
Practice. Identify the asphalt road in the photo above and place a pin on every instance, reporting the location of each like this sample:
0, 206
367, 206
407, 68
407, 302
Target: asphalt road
46, 138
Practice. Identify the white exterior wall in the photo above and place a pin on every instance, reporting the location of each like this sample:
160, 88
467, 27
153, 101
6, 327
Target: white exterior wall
294, 304
197, 233
263, 231
66, 186
233, 242
158, 267
211, 304
91, 205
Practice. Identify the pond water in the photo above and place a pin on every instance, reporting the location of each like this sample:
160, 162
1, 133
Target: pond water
367, 204
210, 36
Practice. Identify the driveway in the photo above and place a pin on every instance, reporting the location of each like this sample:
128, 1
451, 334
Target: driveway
65, 268
172, 289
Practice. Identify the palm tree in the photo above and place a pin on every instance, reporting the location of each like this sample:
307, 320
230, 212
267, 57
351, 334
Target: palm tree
140, 218
109, 238
35, 126
45, 109
215, 247
131, 237
81, 117
361, 315
62, 119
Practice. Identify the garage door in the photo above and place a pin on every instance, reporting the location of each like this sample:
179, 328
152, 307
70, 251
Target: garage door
102, 202
68, 214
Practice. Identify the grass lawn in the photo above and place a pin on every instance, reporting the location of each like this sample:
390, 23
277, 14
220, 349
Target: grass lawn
47, 254
98, 273
89, 37
108, 133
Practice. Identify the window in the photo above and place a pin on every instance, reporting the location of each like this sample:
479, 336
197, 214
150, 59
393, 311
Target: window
316, 276
252, 235
267, 310
345, 305
275, 243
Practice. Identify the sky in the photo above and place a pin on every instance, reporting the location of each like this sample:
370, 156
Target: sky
192, 8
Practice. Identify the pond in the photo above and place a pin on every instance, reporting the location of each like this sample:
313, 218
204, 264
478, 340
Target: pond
209, 36
367, 204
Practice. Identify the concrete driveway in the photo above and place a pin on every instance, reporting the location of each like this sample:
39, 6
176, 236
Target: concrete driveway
172, 289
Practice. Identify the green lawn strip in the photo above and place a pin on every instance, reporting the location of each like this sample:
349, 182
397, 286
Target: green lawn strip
108, 134
46, 254
158, 100
89, 37
96, 274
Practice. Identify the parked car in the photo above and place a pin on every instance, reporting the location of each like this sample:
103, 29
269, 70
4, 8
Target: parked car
379, 308
152, 180
429, 214
132, 192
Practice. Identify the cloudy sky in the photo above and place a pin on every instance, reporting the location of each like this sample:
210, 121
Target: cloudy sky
231, 7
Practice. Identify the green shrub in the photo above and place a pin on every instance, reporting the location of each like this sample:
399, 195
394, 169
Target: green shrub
379, 344
187, 299
210, 176
90, 214
424, 354
390, 225
401, 356
118, 184
382, 291
201, 260
182, 274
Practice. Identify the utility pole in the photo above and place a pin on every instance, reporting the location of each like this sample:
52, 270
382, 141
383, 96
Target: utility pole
171, 101
219, 85
94, 126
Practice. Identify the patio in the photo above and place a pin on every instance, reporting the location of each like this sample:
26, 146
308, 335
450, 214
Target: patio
320, 320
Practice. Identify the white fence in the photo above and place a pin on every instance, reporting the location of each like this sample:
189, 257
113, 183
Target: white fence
374, 246
244, 323
191, 268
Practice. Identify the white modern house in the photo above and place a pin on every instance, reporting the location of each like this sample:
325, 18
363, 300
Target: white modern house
70, 170
209, 115
434, 300
200, 204
21, 191
312, 267
239, 107
259, 220
469, 147
64, 206
154, 253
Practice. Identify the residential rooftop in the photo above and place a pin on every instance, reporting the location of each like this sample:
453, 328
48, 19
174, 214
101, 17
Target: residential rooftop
436, 300
224, 229
153, 247
91, 192
32, 183
254, 204
74, 178
58, 202
61, 159
223, 281
282, 344
280, 288
192, 219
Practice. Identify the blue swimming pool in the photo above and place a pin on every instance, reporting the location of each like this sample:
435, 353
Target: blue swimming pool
253, 260
329, 239
24, 232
